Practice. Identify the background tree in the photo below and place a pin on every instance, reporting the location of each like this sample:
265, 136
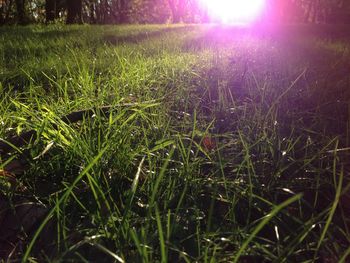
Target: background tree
123, 10
50, 10
20, 8
5, 11
162, 11
177, 8
90, 6
149, 11
74, 11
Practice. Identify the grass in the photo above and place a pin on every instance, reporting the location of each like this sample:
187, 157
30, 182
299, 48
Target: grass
222, 144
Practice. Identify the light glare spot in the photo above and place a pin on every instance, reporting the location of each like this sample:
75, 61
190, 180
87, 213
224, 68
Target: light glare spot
234, 11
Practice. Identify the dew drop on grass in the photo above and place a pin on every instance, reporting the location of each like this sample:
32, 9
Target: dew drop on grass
140, 204
288, 191
277, 233
150, 172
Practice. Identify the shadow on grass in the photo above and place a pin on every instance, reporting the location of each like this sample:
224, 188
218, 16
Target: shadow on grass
111, 39
319, 98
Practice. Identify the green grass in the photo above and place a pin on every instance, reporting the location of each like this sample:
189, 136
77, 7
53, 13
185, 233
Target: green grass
141, 184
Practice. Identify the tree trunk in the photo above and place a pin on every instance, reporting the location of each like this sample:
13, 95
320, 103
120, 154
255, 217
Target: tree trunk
9, 6
92, 12
177, 8
2, 14
20, 11
50, 10
123, 16
74, 11
174, 13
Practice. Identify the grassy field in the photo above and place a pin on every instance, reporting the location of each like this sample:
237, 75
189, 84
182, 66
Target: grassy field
174, 144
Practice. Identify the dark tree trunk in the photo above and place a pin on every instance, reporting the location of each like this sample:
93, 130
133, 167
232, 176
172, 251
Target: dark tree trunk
20, 11
106, 11
74, 11
2, 14
123, 16
92, 12
50, 10
7, 14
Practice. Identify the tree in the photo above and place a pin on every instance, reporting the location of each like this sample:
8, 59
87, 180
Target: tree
177, 8
20, 8
50, 10
74, 11
160, 11
91, 5
5, 9
120, 8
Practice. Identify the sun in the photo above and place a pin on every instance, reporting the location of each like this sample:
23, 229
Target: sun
234, 11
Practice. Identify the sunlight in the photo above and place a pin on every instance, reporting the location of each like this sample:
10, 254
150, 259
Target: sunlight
234, 11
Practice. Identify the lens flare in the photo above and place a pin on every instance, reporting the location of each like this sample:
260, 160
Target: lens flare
234, 11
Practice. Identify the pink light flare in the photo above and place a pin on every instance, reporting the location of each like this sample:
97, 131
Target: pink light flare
234, 11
